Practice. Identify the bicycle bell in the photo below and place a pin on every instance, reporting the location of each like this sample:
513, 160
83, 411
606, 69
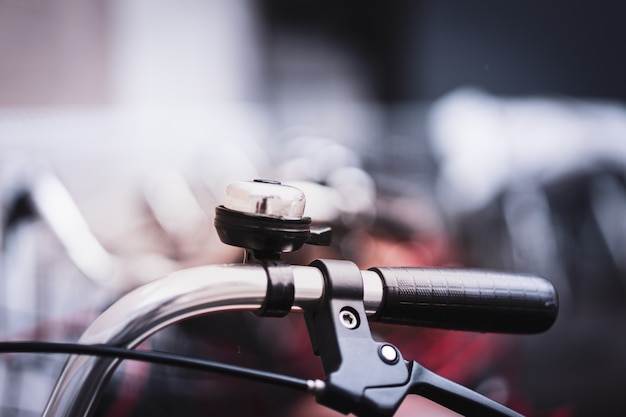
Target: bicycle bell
266, 217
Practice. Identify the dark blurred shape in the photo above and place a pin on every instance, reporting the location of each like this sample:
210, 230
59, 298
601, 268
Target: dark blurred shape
365, 33
560, 47
423, 49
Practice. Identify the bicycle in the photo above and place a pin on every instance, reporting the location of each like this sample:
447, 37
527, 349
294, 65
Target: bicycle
338, 301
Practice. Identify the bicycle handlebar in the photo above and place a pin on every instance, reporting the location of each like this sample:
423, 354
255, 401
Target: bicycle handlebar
468, 300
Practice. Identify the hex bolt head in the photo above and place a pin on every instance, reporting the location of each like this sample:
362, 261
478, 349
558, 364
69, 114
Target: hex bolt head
349, 318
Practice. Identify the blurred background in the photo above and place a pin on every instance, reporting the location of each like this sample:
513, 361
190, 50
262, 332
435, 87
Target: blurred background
481, 134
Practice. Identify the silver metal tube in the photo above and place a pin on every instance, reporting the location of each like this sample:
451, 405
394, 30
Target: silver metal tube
372, 291
308, 286
146, 310
180, 295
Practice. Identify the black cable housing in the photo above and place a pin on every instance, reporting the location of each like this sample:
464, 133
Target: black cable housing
161, 358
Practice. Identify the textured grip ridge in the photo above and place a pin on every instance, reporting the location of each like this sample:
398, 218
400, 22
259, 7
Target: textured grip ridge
467, 300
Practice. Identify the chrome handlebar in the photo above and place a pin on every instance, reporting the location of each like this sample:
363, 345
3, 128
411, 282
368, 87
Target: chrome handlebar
178, 296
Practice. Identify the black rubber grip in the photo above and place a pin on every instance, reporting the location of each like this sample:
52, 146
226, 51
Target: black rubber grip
464, 299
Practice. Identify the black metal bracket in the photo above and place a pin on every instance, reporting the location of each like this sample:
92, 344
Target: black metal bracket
356, 366
280, 288
369, 378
